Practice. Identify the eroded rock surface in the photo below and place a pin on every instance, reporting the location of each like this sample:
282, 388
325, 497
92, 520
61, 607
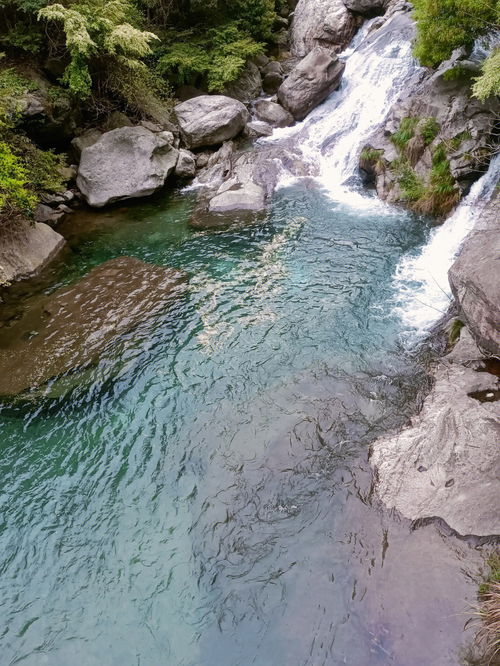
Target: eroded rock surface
321, 23
72, 326
125, 163
208, 120
446, 463
310, 83
26, 248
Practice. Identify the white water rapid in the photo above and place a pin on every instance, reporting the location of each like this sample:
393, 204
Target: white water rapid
422, 280
379, 64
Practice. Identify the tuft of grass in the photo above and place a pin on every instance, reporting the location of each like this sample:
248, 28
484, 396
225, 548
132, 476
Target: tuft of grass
429, 130
371, 154
404, 133
487, 612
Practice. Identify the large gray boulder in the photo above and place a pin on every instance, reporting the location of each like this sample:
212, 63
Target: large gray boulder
321, 23
125, 163
26, 248
311, 82
445, 465
366, 7
209, 120
271, 113
475, 278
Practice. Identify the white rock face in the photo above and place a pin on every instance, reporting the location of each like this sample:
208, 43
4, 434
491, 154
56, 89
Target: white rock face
125, 163
186, 164
26, 248
208, 120
446, 463
321, 23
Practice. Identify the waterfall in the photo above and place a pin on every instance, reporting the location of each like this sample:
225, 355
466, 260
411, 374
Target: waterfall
379, 65
422, 280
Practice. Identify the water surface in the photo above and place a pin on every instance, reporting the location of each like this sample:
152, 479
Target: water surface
202, 496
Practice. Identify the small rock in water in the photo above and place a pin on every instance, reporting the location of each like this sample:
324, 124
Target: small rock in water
449, 483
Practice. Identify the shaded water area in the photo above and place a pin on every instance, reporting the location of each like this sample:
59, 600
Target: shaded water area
202, 495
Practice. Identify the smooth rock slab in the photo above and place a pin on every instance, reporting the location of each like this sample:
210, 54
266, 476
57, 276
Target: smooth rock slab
209, 120
446, 463
475, 282
311, 82
125, 163
238, 196
70, 328
26, 248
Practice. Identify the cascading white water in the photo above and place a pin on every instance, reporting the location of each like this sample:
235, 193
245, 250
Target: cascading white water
422, 280
379, 64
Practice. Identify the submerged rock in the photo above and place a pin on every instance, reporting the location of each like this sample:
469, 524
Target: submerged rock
445, 465
311, 82
209, 120
26, 248
125, 163
73, 326
321, 23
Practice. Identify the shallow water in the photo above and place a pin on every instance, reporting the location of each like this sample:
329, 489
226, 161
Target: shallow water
202, 496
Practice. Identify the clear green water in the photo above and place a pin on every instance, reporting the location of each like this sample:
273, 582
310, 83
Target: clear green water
203, 498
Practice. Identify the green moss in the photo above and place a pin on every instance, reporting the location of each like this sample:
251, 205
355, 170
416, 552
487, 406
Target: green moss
15, 197
453, 331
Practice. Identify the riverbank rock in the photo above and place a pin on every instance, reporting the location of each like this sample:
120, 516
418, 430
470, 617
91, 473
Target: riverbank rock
247, 86
26, 248
475, 278
366, 7
325, 23
125, 163
70, 328
234, 195
311, 82
445, 465
209, 120
271, 113
186, 164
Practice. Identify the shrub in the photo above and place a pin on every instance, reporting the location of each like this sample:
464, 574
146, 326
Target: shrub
448, 24
488, 83
15, 197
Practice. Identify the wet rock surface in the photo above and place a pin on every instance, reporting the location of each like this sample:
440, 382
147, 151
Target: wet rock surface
445, 465
26, 248
310, 83
125, 163
209, 120
71, 327
271, 113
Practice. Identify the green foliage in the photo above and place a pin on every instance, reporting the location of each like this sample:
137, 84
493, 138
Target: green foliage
453, 330
488, 83
404, 133
493, 573
15, 196
429, 129
12, 87
448, 24
213, 58
95, 29
370, 154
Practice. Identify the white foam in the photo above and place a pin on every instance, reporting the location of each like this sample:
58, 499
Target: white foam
421, 280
